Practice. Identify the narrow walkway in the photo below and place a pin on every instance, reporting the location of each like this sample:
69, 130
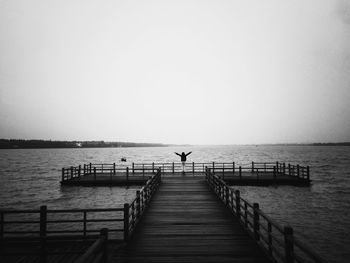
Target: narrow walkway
187, 223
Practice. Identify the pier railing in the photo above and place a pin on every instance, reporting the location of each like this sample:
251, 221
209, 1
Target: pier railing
45, 225
278, 242
223, 168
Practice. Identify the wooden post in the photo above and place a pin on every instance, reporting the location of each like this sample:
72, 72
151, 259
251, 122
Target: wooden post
252, 167
289, 169
79, 171
1, 226
43, 228
233, 167
193, 167
238, 204
84, 226
245, 214
62, 174
277, 167
227, 196
284, 168
104, 234
298, 170
138, 204
240, 172
256, 222
213, 167
71, 172
127, 174
95, 173
126, 222
133, 168
223, 171
152, 167
288, 244
173, 168
84, 169
269, 232
308, 173
113, 168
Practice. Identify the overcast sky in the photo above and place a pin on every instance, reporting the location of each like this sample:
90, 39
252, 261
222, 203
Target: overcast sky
198, 72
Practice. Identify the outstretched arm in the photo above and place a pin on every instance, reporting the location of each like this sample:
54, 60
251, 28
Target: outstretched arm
188, 153
177, 154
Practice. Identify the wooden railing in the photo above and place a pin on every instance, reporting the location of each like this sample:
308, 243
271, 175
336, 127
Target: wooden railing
256, 168
278, 242
43, 225
134, 211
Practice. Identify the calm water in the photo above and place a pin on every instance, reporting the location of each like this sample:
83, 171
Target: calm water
319, 214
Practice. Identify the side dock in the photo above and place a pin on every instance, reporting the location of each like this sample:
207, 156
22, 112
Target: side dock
254, 173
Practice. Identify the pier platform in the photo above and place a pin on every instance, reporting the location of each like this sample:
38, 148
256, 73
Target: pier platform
187, 223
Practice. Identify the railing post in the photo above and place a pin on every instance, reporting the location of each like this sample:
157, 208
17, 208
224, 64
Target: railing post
152, 167
289, 169
256, 222
1, 226
133, 168
113, 168
85, 221
298, 170
238, 204
308, 173
173, 168
104, 234
126, 222
127, 174
252, 167
288, 244
43, 228
71, 172
84, 169
284, 168
227, 196
269, 232
95, 173
138, 204
233, 167
193, 167
240, 172
277, 167
213, 167
62, 174
79, 171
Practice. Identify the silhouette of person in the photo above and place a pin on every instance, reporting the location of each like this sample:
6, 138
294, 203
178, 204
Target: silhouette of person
183, 159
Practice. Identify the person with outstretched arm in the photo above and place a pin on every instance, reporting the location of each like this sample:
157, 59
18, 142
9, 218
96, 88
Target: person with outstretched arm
183, 159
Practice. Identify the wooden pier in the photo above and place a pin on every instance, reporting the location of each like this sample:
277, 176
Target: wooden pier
196, 217
254, 173
187, 223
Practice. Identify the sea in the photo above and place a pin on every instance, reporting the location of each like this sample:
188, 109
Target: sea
319, 214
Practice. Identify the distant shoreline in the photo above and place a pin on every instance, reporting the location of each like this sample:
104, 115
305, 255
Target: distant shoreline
49, 144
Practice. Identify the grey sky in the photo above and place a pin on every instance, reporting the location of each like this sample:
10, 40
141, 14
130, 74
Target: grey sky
206, 72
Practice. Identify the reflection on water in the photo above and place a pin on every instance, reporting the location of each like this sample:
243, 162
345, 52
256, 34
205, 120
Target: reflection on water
320, 214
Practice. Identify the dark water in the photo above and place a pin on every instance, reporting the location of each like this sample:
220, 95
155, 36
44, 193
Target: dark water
319, 214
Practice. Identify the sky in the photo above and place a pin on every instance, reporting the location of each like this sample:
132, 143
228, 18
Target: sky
182, 72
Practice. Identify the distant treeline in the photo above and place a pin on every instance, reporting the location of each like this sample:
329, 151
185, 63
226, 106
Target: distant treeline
32, 144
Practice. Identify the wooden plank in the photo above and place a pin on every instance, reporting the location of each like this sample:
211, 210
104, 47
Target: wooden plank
187, 223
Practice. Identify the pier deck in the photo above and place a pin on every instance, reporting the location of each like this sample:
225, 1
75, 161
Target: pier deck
186, 222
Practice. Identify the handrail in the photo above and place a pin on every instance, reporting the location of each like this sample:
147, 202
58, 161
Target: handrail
278, 242
277, 168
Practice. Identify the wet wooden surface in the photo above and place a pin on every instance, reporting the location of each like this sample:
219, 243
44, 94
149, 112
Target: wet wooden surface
185, 222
